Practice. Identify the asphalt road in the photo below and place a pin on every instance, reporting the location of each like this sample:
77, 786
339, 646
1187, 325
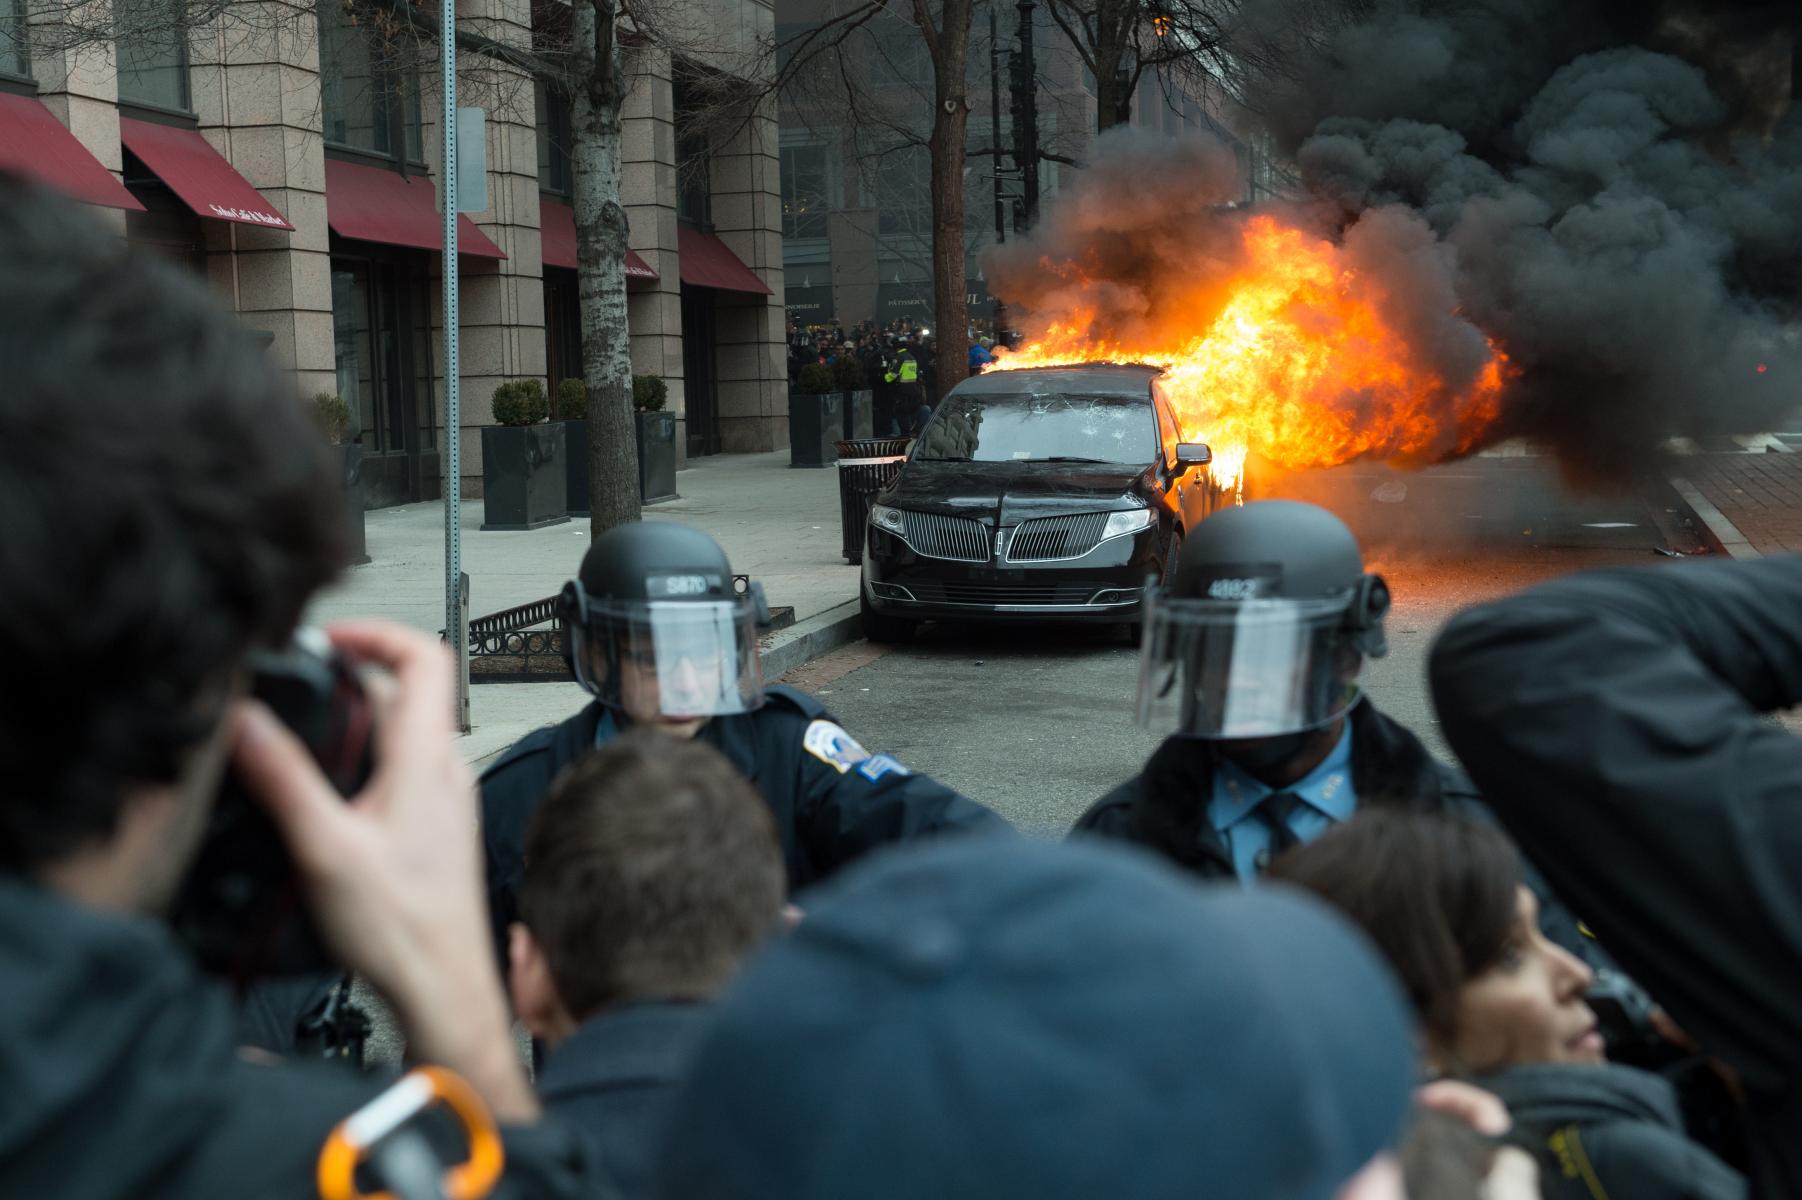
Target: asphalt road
1036, 721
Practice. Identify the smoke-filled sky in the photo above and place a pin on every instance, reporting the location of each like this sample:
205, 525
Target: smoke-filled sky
1611, 189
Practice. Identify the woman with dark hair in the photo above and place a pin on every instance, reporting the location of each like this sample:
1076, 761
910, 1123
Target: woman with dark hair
1500, 1004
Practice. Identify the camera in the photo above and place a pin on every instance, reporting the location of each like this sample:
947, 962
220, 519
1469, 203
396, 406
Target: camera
240, 910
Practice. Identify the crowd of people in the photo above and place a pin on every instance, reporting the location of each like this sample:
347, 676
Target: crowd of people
897, 362
1294, 957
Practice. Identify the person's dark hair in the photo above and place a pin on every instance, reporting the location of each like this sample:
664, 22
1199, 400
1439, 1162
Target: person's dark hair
168, 505
651, 870
1436, 893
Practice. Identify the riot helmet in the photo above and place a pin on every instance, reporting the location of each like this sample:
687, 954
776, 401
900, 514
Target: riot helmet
1262, 630
654, 628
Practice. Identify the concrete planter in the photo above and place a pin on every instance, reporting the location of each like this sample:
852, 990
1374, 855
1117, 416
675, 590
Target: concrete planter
656, 456
350, 461
575, 461
815, 422
523, 476
859, 415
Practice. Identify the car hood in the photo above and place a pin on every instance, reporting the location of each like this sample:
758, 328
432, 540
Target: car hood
1009, 493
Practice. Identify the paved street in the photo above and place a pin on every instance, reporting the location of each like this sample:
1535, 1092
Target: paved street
1037, 722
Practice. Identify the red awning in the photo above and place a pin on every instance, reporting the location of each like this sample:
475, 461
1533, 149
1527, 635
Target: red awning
34, 144
199, 174
557, 230
373, 205
709, 262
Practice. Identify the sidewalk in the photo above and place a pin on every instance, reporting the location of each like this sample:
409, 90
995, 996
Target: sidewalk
778, 525
1749, 504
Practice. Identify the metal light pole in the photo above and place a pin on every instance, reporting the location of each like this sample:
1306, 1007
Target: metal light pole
455, 624
1026, 138
995, 143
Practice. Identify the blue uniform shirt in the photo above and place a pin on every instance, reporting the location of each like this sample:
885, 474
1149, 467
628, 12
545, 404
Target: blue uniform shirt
1326, 791
606, 729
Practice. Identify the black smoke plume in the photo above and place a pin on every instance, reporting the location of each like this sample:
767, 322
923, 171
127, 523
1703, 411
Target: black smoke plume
1611, 189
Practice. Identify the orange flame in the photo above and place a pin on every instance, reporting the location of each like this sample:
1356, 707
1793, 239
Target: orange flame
1298, 365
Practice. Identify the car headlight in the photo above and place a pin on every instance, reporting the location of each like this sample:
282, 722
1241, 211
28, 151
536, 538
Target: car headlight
884, 517
1130, 521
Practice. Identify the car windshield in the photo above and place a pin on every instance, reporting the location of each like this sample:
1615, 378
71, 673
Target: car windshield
1042, 427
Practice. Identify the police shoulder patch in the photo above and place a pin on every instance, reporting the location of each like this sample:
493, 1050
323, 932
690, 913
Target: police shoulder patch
833, 746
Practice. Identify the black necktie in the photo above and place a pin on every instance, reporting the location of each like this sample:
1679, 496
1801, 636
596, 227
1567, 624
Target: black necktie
1274, 810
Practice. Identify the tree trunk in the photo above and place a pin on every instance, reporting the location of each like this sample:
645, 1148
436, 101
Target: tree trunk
601, 267
950, 118
1107, 87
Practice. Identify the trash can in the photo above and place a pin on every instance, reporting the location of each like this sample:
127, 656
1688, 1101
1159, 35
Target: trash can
865, 467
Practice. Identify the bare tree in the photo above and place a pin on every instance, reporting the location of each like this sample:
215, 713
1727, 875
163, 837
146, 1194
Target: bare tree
838, 63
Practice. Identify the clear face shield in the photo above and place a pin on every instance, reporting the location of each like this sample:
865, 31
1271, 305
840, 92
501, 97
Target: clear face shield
669, 658
1252, 668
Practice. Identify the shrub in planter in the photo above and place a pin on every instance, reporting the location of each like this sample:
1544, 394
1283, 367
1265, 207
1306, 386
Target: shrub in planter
572, 401
847, 374
521, 402
333, 417
524, 471
815, 380
649, 393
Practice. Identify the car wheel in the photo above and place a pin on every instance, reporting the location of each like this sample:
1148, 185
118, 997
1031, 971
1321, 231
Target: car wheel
880, 628
1135, 632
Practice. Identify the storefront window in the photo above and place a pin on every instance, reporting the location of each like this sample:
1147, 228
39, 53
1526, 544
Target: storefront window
152, 41
369, 87
15, 53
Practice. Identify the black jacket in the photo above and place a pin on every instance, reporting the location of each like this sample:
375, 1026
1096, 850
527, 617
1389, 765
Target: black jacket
612, 1081
1164, 807
1602, 1132
827, 812
1616, 723
123, 1078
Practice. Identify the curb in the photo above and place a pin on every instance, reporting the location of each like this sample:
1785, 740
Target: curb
817, 635
1722, 535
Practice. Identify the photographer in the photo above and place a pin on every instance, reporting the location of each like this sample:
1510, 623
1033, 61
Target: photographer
1616, 722
152, 544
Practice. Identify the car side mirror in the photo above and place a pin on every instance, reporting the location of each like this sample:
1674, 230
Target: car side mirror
1193, 454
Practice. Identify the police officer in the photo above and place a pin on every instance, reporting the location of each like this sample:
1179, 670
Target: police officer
654, 632
911, 409
1252, 660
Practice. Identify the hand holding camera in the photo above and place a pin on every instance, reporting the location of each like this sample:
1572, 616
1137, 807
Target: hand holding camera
393, 875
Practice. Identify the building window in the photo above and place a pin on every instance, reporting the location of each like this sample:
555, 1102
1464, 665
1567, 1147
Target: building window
694, 185
15, 51
903, 190
369, 87
804, 191
556, 152
152, 41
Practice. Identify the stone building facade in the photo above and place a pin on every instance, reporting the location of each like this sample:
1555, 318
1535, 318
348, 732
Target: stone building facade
289, 153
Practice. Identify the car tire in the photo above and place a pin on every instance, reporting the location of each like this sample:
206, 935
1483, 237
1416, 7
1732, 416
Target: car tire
1135, 632
880, 628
